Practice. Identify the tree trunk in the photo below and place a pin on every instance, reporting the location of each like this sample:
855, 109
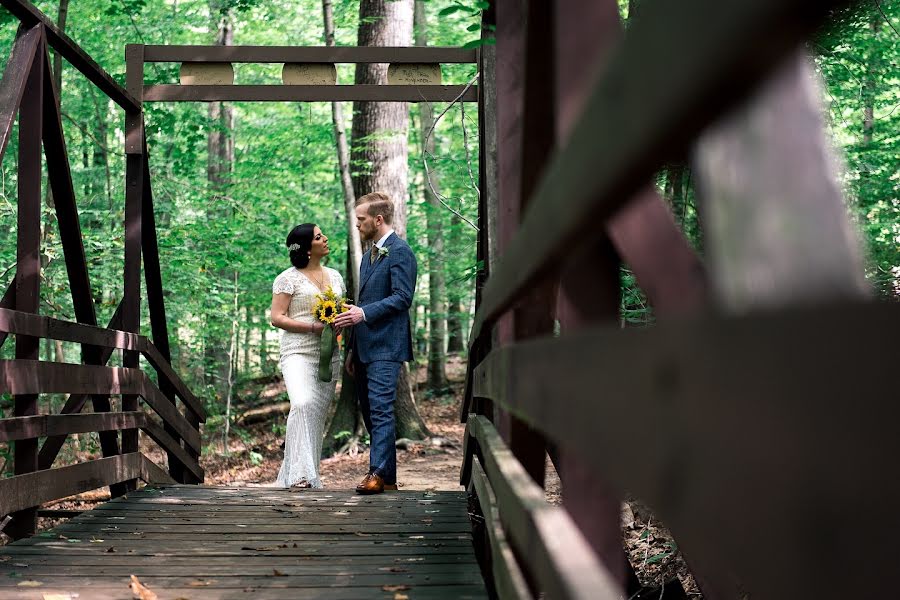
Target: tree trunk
354, 247
220, 159
456, 340
346, 423
380, 148
437, 287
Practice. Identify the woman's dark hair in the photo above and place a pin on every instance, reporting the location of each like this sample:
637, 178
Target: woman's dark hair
302, 236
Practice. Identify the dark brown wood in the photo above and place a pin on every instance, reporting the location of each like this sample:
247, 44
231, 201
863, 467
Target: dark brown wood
508, 579
551, 549
12, 85
33, 377
17, 322
28, 267
134, 119
309, 93
131, 297
53, 444
587, 181
701, 460
157, 307
18, 428
167, 441
60, 180
308, 54
33, 489
30, 16
233, 553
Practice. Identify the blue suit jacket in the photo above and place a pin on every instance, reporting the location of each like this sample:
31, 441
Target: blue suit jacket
385, 295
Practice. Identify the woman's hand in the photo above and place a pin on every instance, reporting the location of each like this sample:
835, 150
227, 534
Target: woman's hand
317, 327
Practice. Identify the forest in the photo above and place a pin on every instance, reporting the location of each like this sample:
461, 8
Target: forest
231, 179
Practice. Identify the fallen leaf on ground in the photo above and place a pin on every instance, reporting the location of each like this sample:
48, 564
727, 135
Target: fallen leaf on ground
399, 596
140, 591
361, 534
395, 588
59, 596
110, 550
201, 582
394, 569
277, 573
30, 583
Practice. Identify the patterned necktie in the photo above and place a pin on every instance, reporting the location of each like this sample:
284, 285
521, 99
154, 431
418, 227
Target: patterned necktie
373, 255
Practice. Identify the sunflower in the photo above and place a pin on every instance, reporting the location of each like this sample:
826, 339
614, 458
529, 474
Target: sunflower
326, 311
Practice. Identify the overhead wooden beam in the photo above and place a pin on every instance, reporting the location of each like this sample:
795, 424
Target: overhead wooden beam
309, 93
609, 156
309, 54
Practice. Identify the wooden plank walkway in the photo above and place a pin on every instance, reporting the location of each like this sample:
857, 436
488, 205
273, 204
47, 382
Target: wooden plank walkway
199, 542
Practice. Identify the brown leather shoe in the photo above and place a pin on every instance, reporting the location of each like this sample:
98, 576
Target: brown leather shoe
372, 483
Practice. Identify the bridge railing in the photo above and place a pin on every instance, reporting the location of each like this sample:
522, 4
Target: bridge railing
28, 90
759, 412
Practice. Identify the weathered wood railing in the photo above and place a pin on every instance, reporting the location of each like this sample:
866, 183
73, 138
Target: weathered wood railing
760, 410
28, 88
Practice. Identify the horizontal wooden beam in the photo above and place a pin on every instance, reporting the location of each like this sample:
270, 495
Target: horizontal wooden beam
21, 428
35, 377
153, 473
28, 14
550, 547
33, 489
508, 579
781, 418
21, 323
308, 93
310, 54
628, 129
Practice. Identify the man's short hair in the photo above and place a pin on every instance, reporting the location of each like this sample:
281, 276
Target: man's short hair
378, 203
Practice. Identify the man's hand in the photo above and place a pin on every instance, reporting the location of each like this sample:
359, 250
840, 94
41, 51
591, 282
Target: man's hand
352, 317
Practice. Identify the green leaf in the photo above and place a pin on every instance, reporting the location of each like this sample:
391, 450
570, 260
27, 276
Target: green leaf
473, 27
658, 557
450, 10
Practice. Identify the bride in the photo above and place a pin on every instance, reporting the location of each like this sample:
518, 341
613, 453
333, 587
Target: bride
293, 297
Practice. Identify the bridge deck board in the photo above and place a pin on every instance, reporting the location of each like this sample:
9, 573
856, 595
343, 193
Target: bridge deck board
222, 542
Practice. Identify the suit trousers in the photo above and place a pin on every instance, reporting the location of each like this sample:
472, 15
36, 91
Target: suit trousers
376, 389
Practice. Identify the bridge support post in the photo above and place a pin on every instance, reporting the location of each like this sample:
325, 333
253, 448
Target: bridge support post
28, 266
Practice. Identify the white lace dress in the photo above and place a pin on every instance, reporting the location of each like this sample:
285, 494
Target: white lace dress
310, 397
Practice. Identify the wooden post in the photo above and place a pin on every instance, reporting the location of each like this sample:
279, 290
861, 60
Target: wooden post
134, 192
28, 269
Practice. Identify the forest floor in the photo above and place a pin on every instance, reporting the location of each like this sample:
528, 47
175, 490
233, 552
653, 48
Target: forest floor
255, 453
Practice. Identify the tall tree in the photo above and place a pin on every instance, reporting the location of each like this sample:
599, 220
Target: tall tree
380, 154
437, 287
220, 163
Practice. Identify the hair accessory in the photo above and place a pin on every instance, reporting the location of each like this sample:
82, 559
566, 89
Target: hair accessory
294, 247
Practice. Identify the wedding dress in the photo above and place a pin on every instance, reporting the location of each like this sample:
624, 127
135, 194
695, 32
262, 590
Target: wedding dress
310, 397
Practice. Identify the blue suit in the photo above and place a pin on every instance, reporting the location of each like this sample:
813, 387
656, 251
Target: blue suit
381, 344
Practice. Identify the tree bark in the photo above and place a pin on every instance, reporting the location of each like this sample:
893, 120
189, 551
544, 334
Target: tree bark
437, 287
380, 148
354, 247
220, 160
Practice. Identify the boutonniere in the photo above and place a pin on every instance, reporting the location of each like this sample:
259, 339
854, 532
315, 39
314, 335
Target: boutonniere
384, 251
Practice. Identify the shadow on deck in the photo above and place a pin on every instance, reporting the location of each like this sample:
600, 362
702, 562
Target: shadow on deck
185, 541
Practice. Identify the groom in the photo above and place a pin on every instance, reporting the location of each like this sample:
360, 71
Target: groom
381, 340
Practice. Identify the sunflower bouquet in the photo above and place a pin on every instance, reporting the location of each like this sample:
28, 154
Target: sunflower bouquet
328, 306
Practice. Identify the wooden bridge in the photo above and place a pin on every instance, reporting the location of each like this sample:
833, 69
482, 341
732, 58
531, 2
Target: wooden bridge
757, 418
